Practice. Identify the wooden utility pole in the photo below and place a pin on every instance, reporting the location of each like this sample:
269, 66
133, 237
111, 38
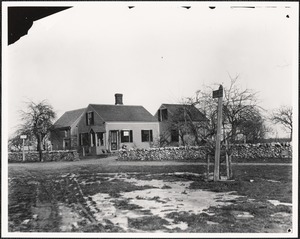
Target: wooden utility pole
218, 94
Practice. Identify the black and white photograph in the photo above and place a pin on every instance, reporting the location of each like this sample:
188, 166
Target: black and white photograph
156, 119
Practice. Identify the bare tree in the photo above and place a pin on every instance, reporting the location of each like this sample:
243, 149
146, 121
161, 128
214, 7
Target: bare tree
208, 106
239, 106
188, 122
284, 116
37, 121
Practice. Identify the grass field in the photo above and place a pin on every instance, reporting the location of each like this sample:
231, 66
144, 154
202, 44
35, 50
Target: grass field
111, 196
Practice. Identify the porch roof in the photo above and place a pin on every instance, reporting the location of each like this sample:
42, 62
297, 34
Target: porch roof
95, 128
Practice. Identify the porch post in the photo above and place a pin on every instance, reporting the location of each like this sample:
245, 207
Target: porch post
109, 141
119, 139
104, 140
96, 139
91, 139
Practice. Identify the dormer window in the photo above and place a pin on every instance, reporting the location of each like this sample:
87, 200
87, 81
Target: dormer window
90, 118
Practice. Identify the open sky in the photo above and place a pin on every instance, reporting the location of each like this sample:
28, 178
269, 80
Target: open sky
153, 53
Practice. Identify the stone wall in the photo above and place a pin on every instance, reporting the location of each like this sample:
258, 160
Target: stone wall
33, 156
273, 150
167, 153
247, 151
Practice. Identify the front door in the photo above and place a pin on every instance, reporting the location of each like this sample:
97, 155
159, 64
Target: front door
66, 144
114, 140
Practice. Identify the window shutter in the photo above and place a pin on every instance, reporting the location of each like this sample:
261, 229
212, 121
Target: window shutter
131, 138
122, 136
92, 121
86, 118
151, 136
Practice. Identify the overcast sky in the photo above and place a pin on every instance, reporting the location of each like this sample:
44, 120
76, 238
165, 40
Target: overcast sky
153, 53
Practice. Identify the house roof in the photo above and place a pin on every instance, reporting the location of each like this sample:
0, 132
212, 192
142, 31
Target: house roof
68, 118
194, 113
127, 113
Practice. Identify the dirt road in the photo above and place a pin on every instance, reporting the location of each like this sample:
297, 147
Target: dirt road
112, 161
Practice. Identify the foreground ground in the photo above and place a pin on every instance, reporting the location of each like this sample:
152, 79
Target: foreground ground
104, 195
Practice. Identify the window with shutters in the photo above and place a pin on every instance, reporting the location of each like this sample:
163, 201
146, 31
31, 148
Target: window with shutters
89, 118
126, 136
147, 136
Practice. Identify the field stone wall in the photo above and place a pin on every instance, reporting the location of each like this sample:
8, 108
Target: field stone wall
48, 156
247, 151
159, 154
273, 150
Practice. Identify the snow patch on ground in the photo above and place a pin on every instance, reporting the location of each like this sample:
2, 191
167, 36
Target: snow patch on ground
276, 203
69, 218
164, 198
241, 214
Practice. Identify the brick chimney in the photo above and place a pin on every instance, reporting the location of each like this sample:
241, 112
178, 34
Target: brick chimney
119, 99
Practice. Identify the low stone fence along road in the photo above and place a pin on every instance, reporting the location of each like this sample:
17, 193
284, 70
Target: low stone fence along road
247, 151
47, 156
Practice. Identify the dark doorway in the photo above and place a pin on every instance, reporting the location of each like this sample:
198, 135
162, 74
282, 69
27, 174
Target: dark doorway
114, 140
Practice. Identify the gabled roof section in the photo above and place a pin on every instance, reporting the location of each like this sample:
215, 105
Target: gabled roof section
123, 113
68, 118
178, 109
